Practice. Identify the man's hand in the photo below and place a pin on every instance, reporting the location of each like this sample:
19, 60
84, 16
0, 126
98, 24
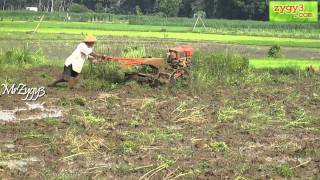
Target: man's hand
94, 61
106, 58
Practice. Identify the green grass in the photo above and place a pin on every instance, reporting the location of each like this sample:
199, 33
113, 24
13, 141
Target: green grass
279, 63
237, 27
149, 32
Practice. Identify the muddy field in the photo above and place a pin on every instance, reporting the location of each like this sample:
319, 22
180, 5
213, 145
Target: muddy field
114, 45
267, 127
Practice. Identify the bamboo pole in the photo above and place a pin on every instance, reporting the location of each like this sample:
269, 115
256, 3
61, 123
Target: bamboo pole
36, 29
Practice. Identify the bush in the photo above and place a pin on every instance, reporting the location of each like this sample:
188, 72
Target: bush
217, 68
78, 8
274, 52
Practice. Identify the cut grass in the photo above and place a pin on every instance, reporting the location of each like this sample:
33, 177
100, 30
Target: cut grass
280, 63
152, 32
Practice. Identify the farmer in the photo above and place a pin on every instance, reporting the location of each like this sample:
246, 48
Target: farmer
74, 63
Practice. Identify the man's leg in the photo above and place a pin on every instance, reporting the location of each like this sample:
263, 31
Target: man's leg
56, 82
73, 81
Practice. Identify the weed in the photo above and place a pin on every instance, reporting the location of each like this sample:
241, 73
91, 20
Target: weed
227, 114
39, 136
250, 127
218, 146
285, 171
80, 101
301, 119
135, 140
148, 103
163, 160
128, 147
135, 122
274, 52
89, 120
277, 111
52, 121
121, 168
202, 166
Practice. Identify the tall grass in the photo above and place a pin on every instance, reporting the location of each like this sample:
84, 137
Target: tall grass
224, 68
105, 75
134, 52
21, 57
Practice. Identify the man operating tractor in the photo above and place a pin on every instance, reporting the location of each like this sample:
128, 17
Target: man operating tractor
74, 63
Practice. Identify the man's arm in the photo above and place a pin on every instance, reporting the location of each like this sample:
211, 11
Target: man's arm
96, 57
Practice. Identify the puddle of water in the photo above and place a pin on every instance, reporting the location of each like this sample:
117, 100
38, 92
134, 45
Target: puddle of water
35, 106
20, 165
7, 116
11, 115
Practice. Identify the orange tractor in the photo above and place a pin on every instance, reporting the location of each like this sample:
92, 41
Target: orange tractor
158, 70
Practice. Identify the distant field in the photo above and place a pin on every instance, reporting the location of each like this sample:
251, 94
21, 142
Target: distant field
216, 26
237, 27
151, 32
281, 63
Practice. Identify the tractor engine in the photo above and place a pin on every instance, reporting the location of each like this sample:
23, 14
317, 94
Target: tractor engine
180, 57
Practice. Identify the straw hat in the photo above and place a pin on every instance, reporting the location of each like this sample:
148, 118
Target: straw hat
90, 38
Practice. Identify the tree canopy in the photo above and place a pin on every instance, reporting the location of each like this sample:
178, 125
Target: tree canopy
230, 9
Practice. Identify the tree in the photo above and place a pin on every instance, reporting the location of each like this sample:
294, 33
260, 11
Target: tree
170, 7
138, 11
78, 8
52, 6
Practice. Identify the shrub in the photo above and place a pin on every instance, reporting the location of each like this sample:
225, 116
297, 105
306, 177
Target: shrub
275, 52
218, 68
